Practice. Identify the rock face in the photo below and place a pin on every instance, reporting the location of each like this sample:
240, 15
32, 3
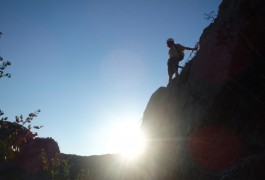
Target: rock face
211, 121
30, 154
30, 159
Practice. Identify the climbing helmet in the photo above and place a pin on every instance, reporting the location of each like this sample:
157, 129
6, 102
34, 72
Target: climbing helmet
170, 40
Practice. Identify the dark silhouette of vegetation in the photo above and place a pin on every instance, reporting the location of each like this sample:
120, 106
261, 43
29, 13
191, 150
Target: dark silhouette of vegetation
14, 134
211, 16
21, 153
4, 65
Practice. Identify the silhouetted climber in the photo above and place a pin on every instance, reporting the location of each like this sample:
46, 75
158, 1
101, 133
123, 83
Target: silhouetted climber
176, 54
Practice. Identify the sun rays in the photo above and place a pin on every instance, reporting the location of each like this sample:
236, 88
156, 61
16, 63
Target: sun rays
133, 145
129, 142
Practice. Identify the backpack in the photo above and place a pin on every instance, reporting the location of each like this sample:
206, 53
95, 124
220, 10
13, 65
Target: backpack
180, 50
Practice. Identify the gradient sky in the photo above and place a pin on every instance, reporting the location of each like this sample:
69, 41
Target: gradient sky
91, 66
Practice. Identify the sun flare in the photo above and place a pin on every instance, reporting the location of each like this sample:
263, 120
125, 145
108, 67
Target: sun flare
133, 145
129, 143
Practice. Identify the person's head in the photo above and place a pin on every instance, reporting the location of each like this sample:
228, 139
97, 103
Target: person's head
170, 42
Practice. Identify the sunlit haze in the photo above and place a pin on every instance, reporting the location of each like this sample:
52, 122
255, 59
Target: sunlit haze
128, 141
91, 66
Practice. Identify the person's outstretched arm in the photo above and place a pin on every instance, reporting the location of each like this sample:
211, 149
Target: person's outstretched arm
188, 48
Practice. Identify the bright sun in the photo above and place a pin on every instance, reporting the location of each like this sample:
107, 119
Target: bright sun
130, 143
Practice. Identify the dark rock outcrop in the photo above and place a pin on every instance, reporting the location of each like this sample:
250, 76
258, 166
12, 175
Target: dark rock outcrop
211, 121
29, 157
26, 161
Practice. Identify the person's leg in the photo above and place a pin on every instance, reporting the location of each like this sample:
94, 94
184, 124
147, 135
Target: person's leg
176, 67
170, 70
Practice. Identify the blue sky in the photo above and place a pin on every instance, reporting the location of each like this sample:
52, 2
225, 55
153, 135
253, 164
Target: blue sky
91, 65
